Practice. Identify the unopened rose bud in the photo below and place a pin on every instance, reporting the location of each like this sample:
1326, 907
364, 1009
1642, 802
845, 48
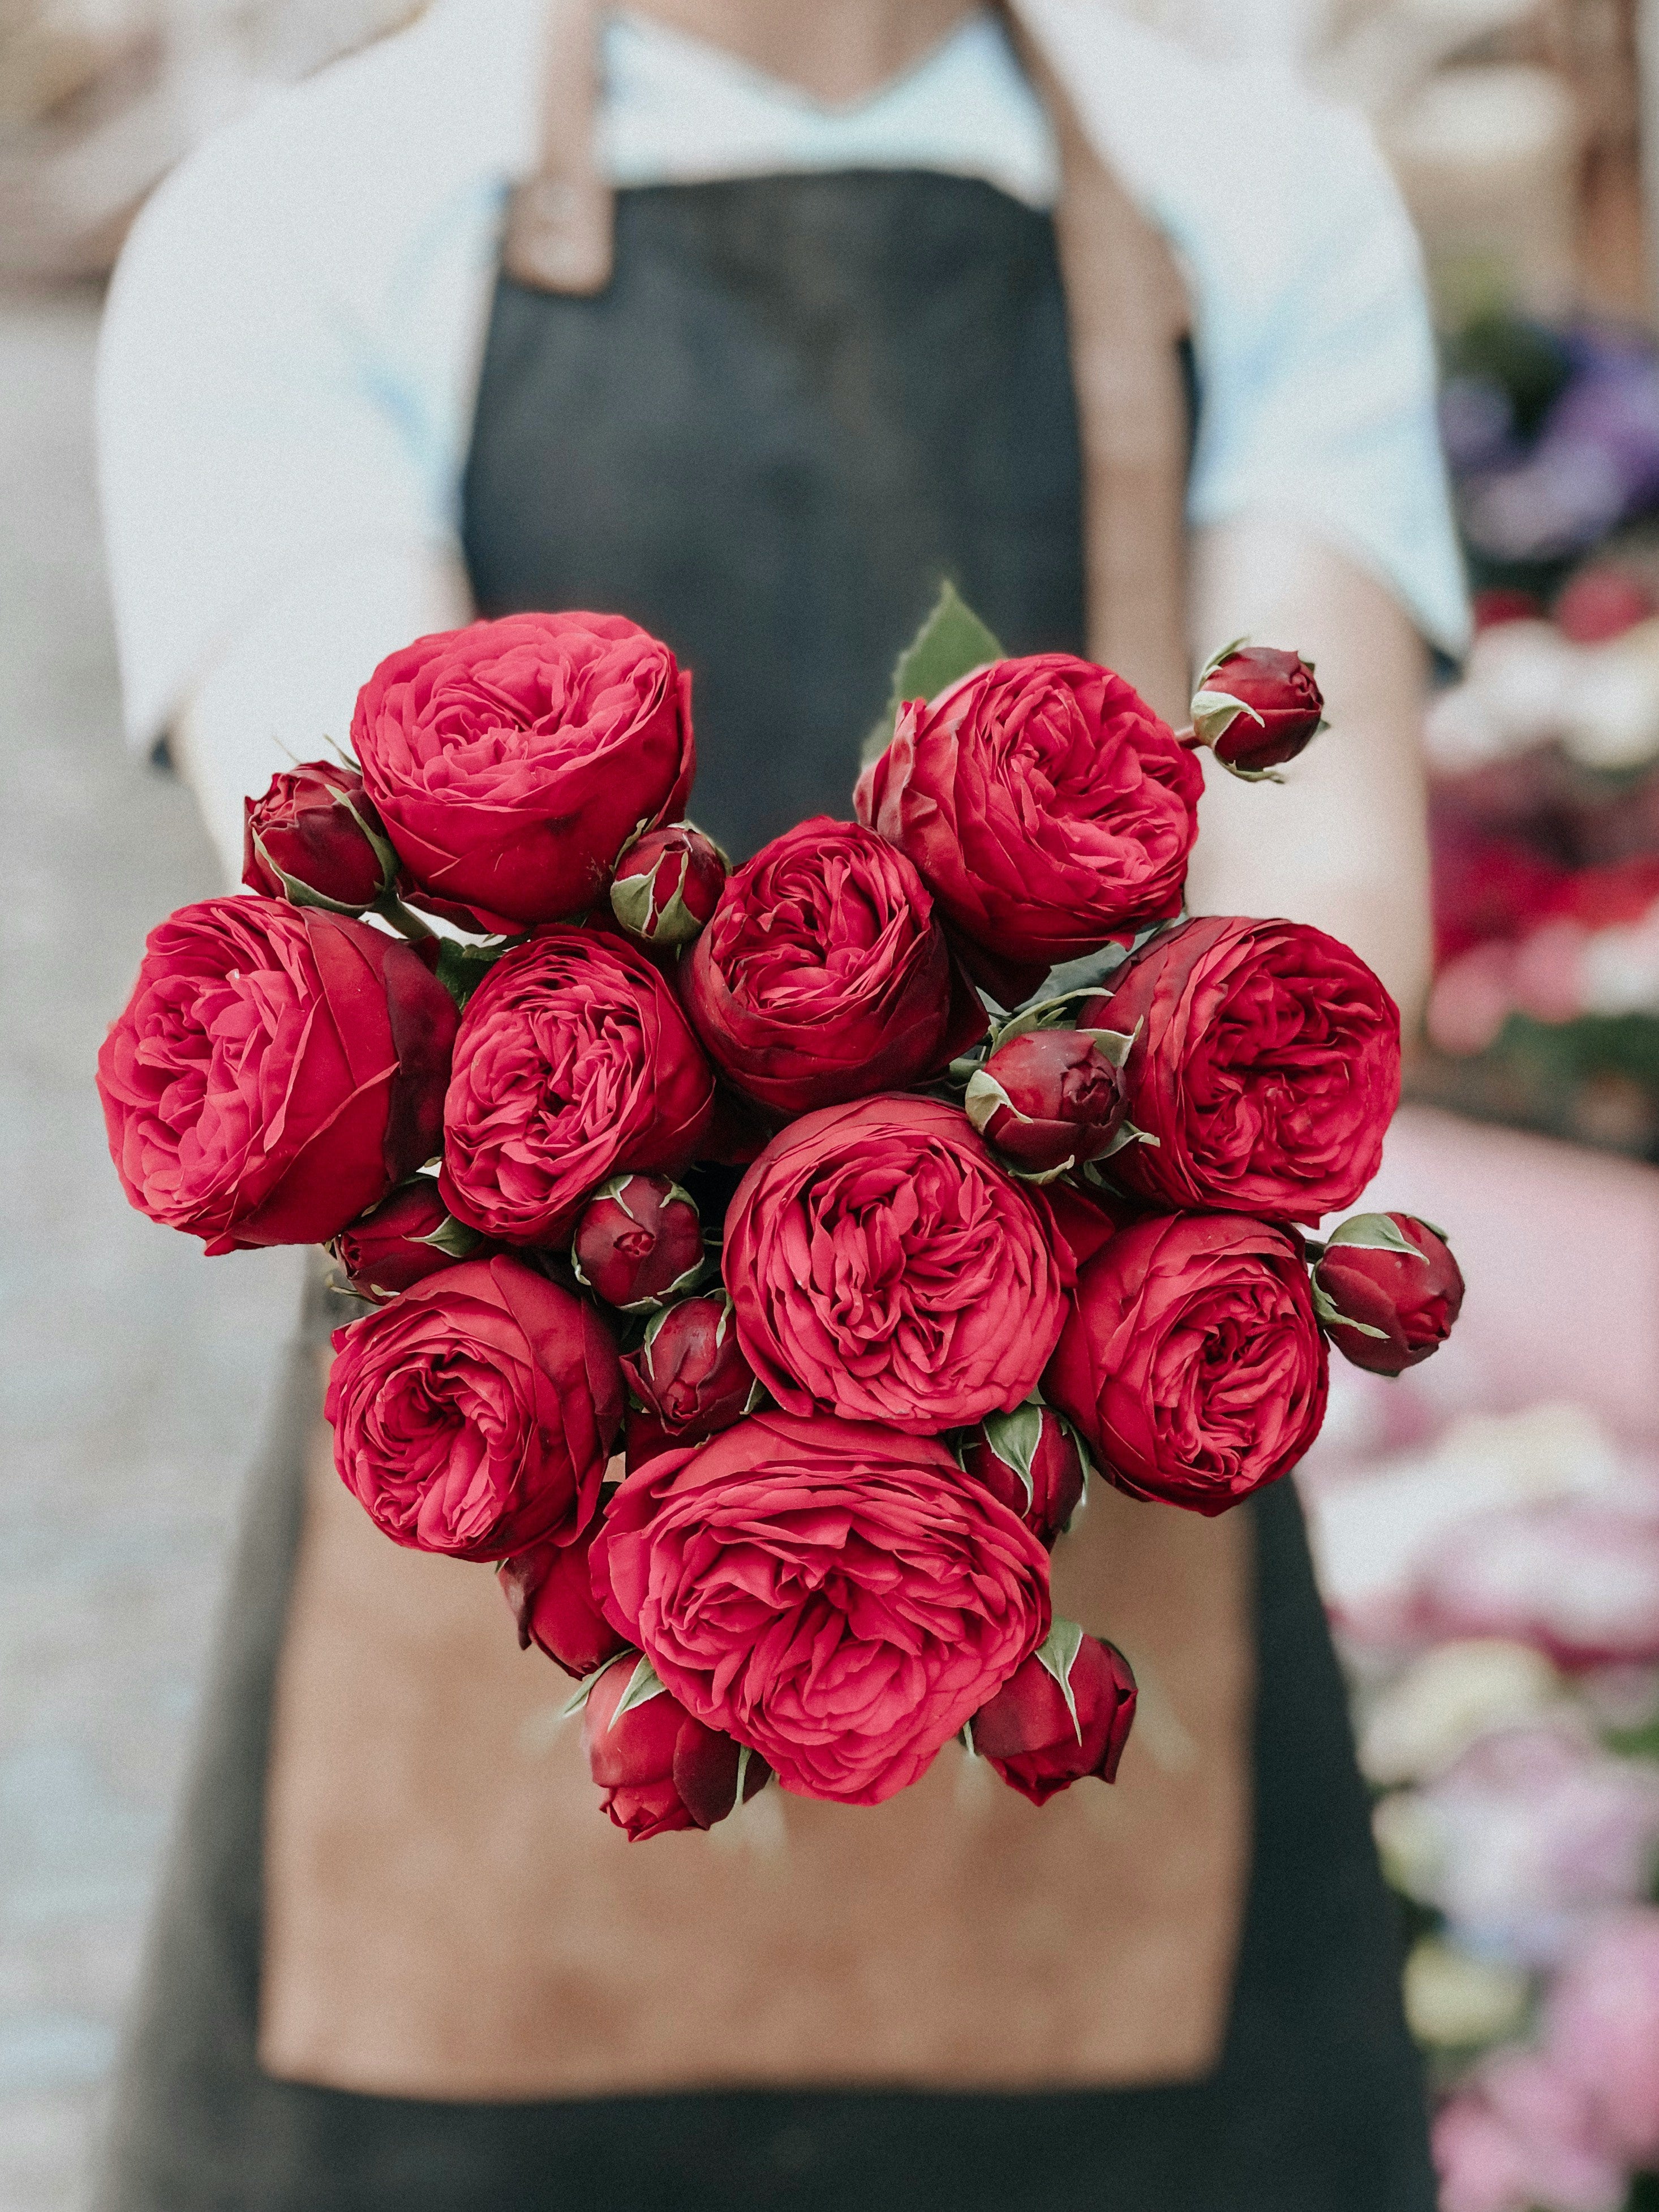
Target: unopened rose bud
639, 1241
1032, 1461
1051, 1099
690, 1373
659, 1769
667, 885
315, 840
550, 1591
1257, 708
1065, 1713
407, 1237
1387, 1291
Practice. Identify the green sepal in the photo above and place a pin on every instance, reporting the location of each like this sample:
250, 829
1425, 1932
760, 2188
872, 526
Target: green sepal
950, 644
583, 1690
462, 968
1331, 1316
1374, 1233
1057, 1656
453, 1237
1015, 1437
644, 1685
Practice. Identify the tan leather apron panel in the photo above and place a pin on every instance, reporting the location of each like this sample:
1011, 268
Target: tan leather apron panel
449, 1915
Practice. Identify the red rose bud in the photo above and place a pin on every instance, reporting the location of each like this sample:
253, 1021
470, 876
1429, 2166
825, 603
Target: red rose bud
1387, 1291
667, 884
1257, 708
1051, 1099
1032, 1462
550, 1591
639, 1241
314, 839
690, 1373
657, 1768
1065, 1713
407, 1237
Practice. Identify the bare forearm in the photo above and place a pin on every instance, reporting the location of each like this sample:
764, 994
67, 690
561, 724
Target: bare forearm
1343, 843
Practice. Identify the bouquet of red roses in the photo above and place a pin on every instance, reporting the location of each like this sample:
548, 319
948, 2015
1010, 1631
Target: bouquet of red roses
862, 1197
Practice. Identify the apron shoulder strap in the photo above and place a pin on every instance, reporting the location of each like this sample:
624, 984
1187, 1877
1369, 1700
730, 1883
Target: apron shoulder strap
562, 220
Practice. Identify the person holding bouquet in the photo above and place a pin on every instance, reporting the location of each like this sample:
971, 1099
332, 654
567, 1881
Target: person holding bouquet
750, 322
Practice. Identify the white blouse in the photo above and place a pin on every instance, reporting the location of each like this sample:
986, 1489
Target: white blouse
291, 350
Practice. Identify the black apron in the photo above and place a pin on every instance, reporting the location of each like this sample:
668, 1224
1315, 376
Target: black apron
801, 401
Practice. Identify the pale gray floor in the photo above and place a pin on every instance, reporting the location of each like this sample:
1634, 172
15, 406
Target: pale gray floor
134, 1371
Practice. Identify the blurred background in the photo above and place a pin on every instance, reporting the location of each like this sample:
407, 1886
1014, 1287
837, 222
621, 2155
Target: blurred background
1488, 1532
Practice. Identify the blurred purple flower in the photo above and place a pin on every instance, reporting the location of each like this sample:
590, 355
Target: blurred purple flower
1575, 1578
1522, 2136
1601, 2027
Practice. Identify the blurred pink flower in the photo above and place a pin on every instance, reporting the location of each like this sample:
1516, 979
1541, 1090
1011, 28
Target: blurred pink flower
1576, 1577
1522, 2136
1602, 2027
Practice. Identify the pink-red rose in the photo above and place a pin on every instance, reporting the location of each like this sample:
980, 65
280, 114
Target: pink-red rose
689, 1373
1386, 1308
314, 838
830, 1592
406, 1238
550, 1592
1258, 707
474, 1414
1048, 1100
638, 1242
1065, 1714
1045, 804
884, 1268
1192, 1361
573, 1063
511, 761
824, 974
657, 1769
275, 1073
1029, 1459
667, 885
1267, 1069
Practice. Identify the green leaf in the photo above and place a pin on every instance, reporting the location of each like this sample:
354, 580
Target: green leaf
951, 642
462, 968
1058, 1657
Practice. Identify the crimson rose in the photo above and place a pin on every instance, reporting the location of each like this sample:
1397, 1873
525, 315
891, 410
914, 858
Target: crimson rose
884, 1266
659, 1769
1267, 1069
276, 1071
314, 839
407, 1237
667, 885
829, 1591
573, 1063
1065, 1713
1048, 1100
511, 761
823, 974
638, 1242
550, 1591
1045, 804
474, 1414
1388, 1291
1031, 1460
1257, 708
1192, 1361
689, 1374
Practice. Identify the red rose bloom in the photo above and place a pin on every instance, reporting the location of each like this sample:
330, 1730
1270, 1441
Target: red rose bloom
689, 1374
474, 1414
1192, 1361
276, 1071
1388, 1291
1065, 1713
1257, 708
823, 974
315, 839
1268, 1067
394, 1247
639, 1241
657, 1769
884, 1268
1045, 804
1031, 1460
574, 1063
667, 885
511, 761
1048, 1100
832, 1592
550, 1591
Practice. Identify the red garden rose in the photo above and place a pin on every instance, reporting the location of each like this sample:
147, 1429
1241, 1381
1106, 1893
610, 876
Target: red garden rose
511, 761
1045, 804
1388, 1291
550, 1591
1065, 1715
314, 838
406, 1238
884, 1268
689, 1374
474, 1414
824, 975
1192, 1361
828, 1591
573, 1063
275, 1073
1257, 708
1031, 1460
667, 885
1267, 1069
638, 1242
659, 1769
1048, 1100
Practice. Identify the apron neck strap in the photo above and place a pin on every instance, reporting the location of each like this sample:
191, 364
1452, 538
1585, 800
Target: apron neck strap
1126, 309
